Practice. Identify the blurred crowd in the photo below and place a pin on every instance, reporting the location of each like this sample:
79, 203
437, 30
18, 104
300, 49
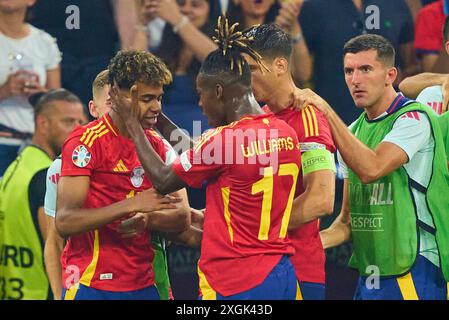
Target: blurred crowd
51, 44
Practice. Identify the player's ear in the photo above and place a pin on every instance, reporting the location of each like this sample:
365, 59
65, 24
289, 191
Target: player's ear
392, 73
219, 91
281, 65
93, 109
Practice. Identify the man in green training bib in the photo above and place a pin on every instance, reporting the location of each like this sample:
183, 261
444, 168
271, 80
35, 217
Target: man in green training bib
22, 190
395, 172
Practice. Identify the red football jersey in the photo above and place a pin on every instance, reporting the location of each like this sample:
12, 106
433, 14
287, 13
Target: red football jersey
429, 28
102, 259
248, 165
309, 259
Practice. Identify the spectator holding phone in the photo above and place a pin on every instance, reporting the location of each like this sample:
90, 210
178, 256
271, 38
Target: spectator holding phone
29, 63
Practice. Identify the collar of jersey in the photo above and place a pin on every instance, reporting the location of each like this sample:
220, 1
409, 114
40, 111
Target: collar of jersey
110, 124
397, 104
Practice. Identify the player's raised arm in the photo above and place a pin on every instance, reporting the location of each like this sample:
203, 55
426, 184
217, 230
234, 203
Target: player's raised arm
72, 218
161, 175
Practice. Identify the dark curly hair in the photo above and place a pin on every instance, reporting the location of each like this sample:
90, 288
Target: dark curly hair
227, 61
130, 67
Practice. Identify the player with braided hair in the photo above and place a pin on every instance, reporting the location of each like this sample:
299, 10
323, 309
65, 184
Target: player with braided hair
247, 159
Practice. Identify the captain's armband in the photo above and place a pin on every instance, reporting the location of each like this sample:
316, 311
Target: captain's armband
315, 160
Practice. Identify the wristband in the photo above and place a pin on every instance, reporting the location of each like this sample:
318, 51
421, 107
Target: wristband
297, 38
316, 160
184, 20
141, 27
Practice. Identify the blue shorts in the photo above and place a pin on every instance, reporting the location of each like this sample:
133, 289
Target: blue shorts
311, 291
87, 293
424, 282
280, 284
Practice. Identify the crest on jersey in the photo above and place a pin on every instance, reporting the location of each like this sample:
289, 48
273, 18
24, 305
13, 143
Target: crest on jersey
80, 156
137, 176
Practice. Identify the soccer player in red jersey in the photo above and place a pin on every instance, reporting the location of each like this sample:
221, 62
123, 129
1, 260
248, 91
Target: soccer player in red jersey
103, 183
250, 162
315, 190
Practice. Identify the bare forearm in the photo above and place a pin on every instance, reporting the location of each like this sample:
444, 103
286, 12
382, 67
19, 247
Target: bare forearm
191, 237
52, 256
361, 159
301, 59
174, 220
308, 207
198, 42
140, 41
71, 221
337, 234
412, 86
126, 18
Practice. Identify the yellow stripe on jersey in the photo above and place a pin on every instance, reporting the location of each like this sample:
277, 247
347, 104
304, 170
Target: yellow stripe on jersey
206, 138
88, 130
315, 121
304, 122
309, 119
206, 290
71, 293
407, 287
225, 195
213, 132
120, 167
88, 274
298, 292
109, 125
153, 133
98, 136
93, 135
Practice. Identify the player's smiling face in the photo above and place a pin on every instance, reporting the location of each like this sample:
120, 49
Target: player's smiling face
211, 105
150, 98
367, 77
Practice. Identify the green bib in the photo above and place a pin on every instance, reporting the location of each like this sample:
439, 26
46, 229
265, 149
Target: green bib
160, 267
384, 220
22, 272
444, 124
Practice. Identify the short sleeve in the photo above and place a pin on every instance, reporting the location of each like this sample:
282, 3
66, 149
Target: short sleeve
316, 130
203, 162
410, 132
432, 97
342, 166
53, 55
79, 159
51, 192
36, 192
